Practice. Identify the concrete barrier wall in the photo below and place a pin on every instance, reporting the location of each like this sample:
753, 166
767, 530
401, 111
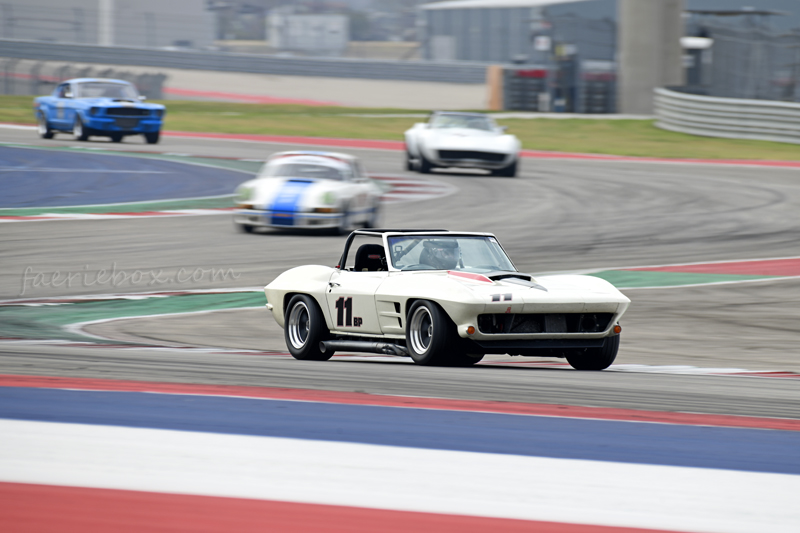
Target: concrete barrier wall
427, 71
733, 118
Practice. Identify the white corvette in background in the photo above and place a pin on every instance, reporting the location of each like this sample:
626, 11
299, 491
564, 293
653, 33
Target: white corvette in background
443, 298
309, 190
462, 140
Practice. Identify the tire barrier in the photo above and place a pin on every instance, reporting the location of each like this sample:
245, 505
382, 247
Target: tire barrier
734, 118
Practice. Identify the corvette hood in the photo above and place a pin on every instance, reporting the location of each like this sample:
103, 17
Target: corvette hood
511, 292
467, 139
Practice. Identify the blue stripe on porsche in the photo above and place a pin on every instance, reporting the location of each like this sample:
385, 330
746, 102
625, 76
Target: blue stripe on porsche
285, 204
754, 450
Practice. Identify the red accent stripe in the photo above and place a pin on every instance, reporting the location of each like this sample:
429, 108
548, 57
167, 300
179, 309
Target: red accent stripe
769, 267
469, 275
358, 398
44, 508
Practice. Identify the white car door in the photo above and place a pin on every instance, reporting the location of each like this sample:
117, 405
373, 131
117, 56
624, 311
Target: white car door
351, 301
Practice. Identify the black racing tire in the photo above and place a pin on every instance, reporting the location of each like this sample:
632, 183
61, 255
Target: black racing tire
45, 132
345, 223
374, 220
80, 133
465, 359
429, 333
116, 137
424, 166
509, 172
152, 137
409, 161
305, 328
595, 358
245, 228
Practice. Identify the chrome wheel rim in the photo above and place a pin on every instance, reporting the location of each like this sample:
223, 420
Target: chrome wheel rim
42, 125
299, 325
77, 129
421, 330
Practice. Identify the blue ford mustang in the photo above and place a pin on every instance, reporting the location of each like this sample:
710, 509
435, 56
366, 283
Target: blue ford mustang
100, 107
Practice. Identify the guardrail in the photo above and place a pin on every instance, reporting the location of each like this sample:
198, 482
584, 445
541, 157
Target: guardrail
763, 120
442, 72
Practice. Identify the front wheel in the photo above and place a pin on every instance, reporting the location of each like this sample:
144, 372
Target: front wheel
424, 166
374, 220
79, 131
510, 171
595, 358
305, 328
152, 137
43, 127
428, 332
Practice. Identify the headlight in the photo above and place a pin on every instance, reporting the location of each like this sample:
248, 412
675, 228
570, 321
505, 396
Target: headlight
243, 194
94, 111
159, 113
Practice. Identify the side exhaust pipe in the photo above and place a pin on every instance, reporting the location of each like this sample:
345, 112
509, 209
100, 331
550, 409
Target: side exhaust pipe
364, 346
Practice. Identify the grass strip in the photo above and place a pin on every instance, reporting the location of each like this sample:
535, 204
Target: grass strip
594, 136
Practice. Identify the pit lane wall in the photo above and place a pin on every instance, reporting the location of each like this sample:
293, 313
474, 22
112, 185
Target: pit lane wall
734, 118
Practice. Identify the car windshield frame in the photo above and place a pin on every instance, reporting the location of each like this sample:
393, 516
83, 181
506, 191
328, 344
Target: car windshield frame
413, 251
456, 120
126, 90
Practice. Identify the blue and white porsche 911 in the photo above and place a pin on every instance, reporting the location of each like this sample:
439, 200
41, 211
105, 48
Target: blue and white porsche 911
309, 190
100, 107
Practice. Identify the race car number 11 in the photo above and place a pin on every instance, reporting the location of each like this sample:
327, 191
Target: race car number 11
344, 313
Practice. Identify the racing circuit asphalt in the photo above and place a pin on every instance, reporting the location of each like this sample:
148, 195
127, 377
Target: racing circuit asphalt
557, 215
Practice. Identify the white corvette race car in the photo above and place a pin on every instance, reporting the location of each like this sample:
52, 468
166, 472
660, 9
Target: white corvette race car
310, 190
464, 140
443, 298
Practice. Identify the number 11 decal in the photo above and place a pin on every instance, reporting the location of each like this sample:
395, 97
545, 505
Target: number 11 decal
344, 313
344, 304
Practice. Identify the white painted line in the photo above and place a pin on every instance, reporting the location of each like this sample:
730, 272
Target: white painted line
399, 478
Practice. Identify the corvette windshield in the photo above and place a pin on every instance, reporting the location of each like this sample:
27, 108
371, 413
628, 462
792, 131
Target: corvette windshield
103, 89
475, 122
302, 170
468, 253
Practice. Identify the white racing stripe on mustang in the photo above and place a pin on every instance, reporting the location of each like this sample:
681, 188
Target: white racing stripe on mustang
398, 478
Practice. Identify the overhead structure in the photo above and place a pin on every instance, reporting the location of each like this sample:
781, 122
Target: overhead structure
649, 51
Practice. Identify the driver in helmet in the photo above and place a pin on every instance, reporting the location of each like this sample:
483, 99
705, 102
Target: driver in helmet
441, 254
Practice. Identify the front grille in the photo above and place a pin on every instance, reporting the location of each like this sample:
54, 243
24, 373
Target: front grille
127, 123
496, 323
127, 112
453, 155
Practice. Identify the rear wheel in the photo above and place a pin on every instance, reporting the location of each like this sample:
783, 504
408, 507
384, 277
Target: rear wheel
80, 133
152, 137
245, 228
305, 328
43, 127
595, 358
428, 333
